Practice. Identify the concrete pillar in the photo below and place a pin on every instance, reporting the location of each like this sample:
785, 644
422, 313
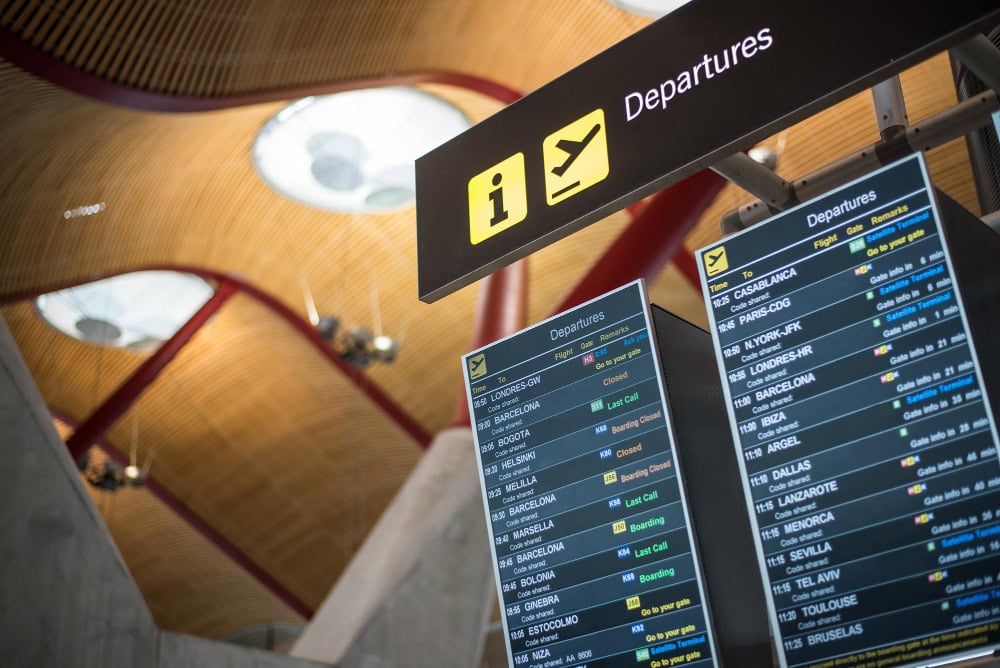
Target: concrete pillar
419, 590
66, 597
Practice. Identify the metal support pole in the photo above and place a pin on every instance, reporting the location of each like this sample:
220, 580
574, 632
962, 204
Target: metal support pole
756, 179
934, 131
981, 56
118, 403
890, 108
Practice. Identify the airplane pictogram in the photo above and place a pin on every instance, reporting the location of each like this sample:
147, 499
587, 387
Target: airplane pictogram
574, 148
716, 261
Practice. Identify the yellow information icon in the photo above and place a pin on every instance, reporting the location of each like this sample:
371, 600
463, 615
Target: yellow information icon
575, 157
477, 366
716, 261
498, 199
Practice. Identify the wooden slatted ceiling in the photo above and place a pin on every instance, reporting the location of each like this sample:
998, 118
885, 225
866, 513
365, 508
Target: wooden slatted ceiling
223, 47
187, 582
259, 436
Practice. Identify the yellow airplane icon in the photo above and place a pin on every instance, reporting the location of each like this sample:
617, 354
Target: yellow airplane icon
477, 366
575, 157
573, 149
716, 261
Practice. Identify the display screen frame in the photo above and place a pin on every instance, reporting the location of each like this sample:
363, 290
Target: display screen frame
642, 307
706, 281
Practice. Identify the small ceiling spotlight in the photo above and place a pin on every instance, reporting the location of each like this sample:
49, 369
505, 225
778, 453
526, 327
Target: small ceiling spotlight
355, 346
327, 327
134, 475
385, 348
764, 155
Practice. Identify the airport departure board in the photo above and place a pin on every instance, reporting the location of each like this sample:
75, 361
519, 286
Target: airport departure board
867, 445
593, 553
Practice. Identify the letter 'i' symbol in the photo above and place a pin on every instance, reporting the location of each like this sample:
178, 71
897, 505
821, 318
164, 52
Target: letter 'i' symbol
496, 197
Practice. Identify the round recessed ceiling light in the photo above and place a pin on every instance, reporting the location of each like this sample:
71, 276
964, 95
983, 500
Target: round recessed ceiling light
139, 311
649, 8
353, 152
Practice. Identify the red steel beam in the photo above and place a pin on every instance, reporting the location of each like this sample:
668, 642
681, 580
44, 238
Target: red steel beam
201, 526
279, 308
650, 241
502, 309
36, 61
688, 266
118, 403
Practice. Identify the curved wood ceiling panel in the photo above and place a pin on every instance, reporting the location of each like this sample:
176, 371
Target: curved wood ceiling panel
191, 587
74, 377
223, 47
272, 446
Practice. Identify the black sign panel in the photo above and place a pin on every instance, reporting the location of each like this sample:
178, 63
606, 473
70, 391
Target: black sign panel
711, 78
867, 444
594, 558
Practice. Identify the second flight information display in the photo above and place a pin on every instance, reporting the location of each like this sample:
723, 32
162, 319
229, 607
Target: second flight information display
593, 553
867, 444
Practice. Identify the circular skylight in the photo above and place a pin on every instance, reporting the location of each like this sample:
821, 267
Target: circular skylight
140, 310
353, 152
650, 8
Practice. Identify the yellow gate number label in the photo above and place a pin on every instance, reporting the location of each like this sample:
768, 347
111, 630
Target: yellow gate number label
575, 157
498, 199
715, 261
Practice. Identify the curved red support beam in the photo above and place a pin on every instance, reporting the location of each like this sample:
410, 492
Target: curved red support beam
32, 59
128, 392
364, 385
688, 266
502, 309
651, 240
201, 526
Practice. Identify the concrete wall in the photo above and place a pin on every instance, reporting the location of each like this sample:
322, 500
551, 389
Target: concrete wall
176, 650
419, 591
66, 597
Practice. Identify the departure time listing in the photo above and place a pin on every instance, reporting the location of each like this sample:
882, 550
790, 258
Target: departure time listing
867, 443
593, 554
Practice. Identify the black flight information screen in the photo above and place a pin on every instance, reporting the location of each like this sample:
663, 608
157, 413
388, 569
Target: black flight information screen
592, 549
867, 446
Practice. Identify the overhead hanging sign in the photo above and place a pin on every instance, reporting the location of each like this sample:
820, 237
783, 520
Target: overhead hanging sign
710, 78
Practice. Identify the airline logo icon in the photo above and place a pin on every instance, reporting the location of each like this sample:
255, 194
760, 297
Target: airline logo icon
575, 157
498, 199
716, 261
